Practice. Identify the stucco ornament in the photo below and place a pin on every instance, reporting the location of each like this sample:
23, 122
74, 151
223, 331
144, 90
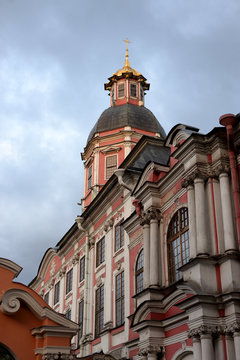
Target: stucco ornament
10, 304
53, 267
58, 356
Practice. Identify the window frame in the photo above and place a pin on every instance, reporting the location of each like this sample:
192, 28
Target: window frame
69, 281
82, 269
68, 314
56, 296
110, 167
89, 177
100, 251
119, 299
99, 310
46, 297
176, 232
139, 272
135, 85
121, 237
122, 90
80, 319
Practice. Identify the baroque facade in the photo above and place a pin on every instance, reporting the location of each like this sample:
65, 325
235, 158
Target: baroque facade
150, 270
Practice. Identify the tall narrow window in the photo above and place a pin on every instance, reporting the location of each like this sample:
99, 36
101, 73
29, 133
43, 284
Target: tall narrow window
69, 281
68, 314
111, 165
178, 243
121, 90
141, 94
99, 310
139, 272
113, 99
89, 177
119, 237
120, 299
56, 292
46, 297
100, 252
133, 90
82, 268
80, 320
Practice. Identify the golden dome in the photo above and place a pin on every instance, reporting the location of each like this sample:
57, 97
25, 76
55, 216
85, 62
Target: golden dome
127, 68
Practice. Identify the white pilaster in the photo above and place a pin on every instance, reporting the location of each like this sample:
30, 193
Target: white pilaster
202, 240
236, 338
192, 221
229, 241
146, 254
154, 249
197, 352
207, 347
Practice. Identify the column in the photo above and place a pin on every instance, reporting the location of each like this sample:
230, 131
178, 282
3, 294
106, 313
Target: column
202, 240
192, 221
236, 337
154, 247
230, 347
229, 241
197, 352
146, 252
219, 348
207, 347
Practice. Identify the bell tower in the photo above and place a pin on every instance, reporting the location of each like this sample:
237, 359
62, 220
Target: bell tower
118, 129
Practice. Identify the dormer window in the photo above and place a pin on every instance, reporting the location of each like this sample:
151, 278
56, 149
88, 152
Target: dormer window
121, 90
133, 90
113, 95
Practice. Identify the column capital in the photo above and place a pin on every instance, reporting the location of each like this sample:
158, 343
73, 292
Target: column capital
222, 169
204, 330
233, 328
150, 214
151, 349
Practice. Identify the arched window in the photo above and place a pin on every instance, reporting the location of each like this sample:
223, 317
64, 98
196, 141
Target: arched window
139, 272
178, 243
5, 354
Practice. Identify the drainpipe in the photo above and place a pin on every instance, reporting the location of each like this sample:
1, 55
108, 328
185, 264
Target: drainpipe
229, 120
79, 221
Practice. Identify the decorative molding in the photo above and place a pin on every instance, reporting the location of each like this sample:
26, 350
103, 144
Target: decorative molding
62, 272
53, 267
58, 356
75, 259
232, 328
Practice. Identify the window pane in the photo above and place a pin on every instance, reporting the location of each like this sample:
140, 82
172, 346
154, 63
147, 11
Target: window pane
82, 268
99, 310
133, 90
178, 243
121, 90
111, 165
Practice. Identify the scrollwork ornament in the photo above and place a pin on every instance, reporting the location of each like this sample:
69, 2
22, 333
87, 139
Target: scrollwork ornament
10, 304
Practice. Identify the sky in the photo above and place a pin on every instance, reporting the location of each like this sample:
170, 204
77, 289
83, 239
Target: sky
55, 56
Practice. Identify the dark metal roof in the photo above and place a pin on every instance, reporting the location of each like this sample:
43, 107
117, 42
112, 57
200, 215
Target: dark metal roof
127, 115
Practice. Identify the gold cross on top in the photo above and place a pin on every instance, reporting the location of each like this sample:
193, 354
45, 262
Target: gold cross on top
127, 42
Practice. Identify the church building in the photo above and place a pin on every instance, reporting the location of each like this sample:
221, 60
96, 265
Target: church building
151, 268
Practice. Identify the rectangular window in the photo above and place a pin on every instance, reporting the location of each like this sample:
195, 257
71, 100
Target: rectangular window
121, 90
111, 165
141, 94
82, 268
120, 299
46, 297
69, 281
56, 292
89, 177
99, 310
133, 90
68, 314
100, 252
119, 237
80, 320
